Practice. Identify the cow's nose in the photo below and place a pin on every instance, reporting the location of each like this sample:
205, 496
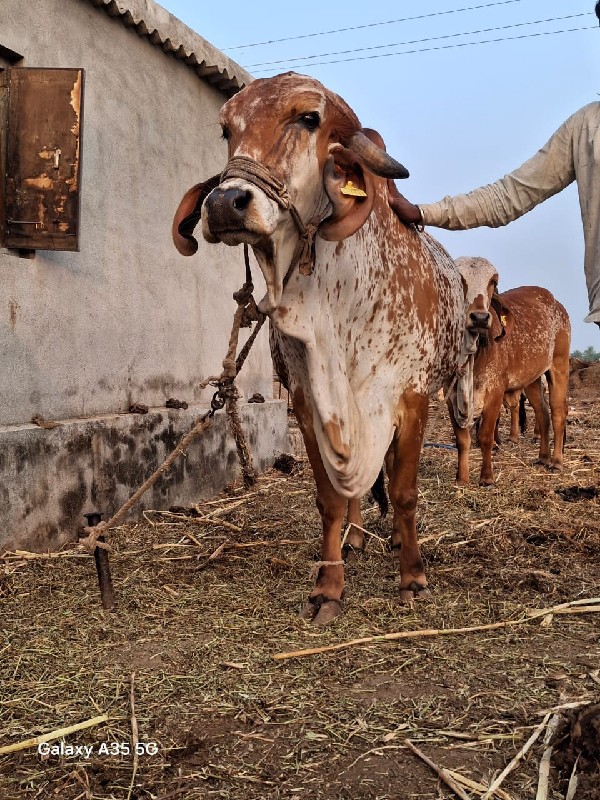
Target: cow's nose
227, 206
480, 319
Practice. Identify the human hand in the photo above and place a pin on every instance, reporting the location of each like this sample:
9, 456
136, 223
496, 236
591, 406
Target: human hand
403, 208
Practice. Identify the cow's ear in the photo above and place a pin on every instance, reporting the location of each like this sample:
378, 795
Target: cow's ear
351, 190
502, 317
188, 214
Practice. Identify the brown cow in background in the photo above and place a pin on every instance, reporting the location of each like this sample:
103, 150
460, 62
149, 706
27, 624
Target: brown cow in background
524, 333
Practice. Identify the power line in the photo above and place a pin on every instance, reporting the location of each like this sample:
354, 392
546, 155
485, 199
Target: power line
374, 24
439, 47
414, 41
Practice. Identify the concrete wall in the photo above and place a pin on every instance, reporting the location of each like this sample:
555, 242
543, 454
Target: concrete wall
127, 319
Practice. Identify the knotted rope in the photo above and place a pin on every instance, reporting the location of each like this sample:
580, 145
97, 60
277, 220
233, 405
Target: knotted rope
252, 172
225, 396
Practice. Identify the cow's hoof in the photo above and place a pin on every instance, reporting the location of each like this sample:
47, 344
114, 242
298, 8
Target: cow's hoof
541, 462
321, 611
555, 467
487, 484
414, 592
351, 553
461, 484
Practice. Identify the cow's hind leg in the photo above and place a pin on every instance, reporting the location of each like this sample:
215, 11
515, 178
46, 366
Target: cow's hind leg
535, 395
354, 539
403, 494
512, 402
558, 385
324, 602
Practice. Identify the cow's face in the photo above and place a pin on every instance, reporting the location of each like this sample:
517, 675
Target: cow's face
480, 281
310, 141
285, 124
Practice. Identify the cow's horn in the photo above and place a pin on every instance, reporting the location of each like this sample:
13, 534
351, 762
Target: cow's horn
376, 159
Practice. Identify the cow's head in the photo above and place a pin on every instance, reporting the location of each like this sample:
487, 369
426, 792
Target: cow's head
293, 145
480, 282
487, 316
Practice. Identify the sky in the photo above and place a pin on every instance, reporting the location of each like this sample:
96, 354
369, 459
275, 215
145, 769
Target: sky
457, 117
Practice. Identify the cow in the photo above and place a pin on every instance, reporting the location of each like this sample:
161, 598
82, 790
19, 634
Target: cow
366, 314
523, 334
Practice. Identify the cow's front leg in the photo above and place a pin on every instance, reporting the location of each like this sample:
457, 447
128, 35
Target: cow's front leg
325, 600
403, 494
491, 410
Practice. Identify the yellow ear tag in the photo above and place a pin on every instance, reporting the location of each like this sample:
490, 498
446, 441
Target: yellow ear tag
503, 320
352, 190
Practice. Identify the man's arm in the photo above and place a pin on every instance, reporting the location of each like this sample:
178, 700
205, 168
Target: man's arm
549, 171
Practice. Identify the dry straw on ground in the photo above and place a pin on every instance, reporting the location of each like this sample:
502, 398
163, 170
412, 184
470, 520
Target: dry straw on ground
204, 603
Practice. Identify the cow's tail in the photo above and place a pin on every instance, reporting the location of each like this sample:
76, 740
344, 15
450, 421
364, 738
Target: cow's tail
379, 493
522, 414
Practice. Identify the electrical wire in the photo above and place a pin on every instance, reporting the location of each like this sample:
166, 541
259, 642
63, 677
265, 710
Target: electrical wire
374, 24
439, 47
415, 41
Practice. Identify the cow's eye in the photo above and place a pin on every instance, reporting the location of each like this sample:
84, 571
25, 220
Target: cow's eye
225, 133
310, 120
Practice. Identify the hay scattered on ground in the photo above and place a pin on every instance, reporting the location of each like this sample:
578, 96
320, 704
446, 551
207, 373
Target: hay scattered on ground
204, 604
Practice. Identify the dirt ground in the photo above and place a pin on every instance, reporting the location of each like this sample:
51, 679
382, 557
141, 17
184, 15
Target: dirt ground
218, 716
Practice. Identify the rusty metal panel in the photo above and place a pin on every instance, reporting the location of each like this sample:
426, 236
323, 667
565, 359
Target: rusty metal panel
43, 158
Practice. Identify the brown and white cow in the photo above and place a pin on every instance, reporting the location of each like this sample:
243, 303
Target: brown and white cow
367, 317
524, 333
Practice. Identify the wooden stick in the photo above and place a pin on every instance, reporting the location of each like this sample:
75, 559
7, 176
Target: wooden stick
25, 555
57, 734
264, 543
199, 520
214, 555
388, 637
544, 770
513, 763
439, 771
107, 592
134, 736
478, 787
573, 781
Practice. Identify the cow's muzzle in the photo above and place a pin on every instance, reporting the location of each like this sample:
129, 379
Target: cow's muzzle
479, 321
226, 210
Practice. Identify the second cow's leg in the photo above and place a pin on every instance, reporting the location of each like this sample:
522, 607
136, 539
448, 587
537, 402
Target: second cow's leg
403, 494
535, 395
511, 401
491, 410
462, 437
558, 386
355, 539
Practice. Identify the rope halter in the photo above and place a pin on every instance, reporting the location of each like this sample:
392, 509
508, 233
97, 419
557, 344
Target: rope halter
252, 172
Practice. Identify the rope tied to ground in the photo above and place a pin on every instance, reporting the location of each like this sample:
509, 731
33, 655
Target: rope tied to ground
226, 396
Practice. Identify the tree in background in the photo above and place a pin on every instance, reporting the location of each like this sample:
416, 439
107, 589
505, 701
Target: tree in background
589, 354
